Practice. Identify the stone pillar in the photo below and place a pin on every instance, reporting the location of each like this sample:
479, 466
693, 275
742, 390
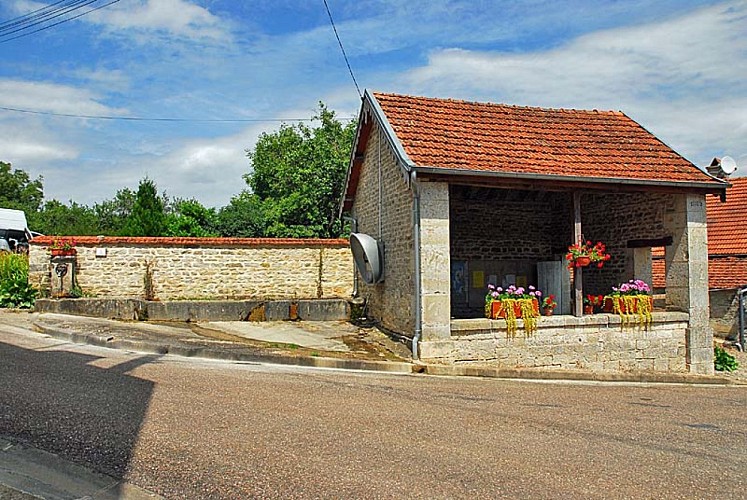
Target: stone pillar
639, 264
687, 276
63, 275
435, 275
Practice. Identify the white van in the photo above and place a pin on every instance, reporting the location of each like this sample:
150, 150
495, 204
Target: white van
14, 232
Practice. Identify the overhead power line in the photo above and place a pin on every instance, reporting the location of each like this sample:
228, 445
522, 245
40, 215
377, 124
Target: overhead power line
344, 55
23, 24
157, 119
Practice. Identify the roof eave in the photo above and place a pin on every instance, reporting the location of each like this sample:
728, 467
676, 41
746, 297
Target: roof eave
391, 136
369, 104
701, 186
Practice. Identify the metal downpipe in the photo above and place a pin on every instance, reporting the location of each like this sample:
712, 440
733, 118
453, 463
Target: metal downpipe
741, 337
416, 243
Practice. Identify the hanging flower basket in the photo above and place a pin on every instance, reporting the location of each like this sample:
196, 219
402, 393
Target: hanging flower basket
582, 261
583, 254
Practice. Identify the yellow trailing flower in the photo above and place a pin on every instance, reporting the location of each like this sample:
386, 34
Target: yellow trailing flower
529, 313
632, 308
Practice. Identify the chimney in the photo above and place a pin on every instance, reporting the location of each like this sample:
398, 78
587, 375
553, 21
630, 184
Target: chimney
715, 169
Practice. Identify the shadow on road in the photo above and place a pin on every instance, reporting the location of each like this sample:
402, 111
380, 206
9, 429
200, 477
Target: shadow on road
60, 402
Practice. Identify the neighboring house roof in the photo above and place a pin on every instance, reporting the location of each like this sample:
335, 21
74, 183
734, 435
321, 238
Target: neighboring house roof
451, 137
723, 272
727, 240
727, 222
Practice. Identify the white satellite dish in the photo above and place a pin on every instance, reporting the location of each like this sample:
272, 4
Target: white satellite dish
728, 165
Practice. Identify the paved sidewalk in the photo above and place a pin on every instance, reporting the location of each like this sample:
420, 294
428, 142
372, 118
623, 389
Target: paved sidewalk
321, 344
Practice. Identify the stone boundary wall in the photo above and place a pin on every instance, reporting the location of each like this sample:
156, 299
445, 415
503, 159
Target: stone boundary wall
203, 268
596, 343
724, 313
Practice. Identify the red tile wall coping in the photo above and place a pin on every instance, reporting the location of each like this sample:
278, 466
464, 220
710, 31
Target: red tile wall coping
199, 242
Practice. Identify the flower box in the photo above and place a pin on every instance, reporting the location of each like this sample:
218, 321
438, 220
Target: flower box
627, 306
60, 252
499, 308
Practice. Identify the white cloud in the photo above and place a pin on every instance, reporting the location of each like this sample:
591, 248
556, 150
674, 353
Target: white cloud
680, 77
176, 17
52, 97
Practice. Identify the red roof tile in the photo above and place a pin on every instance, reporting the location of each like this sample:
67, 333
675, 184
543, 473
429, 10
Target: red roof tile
473, 136
727, 272
723, 272
727, 222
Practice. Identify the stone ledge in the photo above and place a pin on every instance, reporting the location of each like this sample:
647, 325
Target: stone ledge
199, 310
462, 327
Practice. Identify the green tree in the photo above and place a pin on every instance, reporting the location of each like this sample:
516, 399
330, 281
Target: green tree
18, 191
243, 217
147, 217
56, 218
190, 218
298, 174
113, 214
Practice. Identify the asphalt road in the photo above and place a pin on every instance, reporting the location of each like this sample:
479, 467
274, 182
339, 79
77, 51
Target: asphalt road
185, 428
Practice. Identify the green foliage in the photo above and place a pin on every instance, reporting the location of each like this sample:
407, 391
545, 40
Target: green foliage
112, 214
298, 174
296, 184
190, 218
148, 217
18, 191
723, 361
64, 220
15, 290
243, 217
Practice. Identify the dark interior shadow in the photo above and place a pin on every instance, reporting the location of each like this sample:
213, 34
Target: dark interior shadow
56, 401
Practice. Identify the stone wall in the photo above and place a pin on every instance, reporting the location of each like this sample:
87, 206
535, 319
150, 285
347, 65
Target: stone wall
596, 343
724, 313
614, 219
383, 209
204, 268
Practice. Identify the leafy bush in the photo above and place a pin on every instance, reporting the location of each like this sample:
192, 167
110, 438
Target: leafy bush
15, 290
723, 361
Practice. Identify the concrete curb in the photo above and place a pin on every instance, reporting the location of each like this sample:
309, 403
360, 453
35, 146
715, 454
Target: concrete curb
577, 375
162, 348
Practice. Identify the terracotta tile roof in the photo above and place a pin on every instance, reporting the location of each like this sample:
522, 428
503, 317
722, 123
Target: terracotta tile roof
727, 240
461, 135
727, 222
727, 272
723, 272
657, 270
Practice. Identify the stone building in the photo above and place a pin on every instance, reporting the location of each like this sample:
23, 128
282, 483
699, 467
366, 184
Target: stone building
727, 257
458, 194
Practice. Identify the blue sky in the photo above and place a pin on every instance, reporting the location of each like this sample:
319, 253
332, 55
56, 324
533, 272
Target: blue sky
678, 67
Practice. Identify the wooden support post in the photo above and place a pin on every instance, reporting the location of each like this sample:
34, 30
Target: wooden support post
578, 295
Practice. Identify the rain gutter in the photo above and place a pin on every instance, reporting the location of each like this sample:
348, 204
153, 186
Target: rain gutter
570, 178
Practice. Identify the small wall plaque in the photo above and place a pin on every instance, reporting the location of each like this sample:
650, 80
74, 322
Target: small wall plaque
101, 252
